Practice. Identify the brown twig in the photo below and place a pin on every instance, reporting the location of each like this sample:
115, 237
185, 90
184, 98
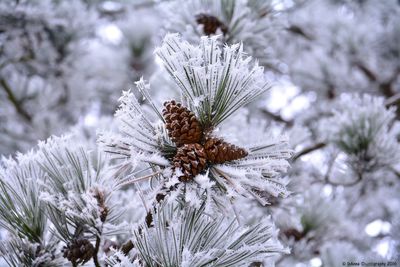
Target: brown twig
277, 117
300, 31
393, 100
309, 150
364, 69
16, 103
96, 251
128, 246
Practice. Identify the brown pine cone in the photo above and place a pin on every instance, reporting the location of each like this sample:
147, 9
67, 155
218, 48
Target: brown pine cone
210, 24
191, 160
78, 251
181, 123
294, 233
101, 201
219, 151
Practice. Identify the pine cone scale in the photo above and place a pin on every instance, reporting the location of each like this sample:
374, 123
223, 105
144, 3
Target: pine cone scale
218, 151
181, 124
78, 251
193, 152
191, 160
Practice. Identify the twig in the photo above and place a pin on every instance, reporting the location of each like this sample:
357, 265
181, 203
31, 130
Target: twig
309, 150
277, 117
96, 251
393, 100
299, 31
359, 178
15, 101
370, 75
330, 167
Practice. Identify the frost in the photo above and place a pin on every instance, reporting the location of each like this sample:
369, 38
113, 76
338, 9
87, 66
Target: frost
258, 31
221, 242
213, 72
360, 127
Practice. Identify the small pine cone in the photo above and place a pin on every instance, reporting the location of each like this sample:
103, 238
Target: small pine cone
191, 160
210, 24
103, 213
78, 251
182, 125
293, 233
101, 202
219, 151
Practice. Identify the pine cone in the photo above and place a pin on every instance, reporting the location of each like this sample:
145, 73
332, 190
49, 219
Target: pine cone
294, 233
219, 151
182, 125
191, 160
101, 202
78, 251
210, 24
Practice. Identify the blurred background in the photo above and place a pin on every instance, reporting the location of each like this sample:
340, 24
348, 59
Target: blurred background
334, 67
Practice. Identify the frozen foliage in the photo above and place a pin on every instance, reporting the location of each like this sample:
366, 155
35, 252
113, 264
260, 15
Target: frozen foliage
214, 85
59, 59
336, 46
40, 44
78, 190
214, 82
139, 41
22, 214
189, 237
255, 23
361, 126
62, 187
204, 179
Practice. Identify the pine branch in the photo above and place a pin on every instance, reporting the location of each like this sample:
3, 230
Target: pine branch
196, 239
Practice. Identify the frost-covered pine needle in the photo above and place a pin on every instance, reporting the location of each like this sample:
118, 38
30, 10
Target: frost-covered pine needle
214, 81
191, 238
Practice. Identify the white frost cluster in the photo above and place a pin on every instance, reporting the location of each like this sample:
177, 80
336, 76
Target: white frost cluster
361, 126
